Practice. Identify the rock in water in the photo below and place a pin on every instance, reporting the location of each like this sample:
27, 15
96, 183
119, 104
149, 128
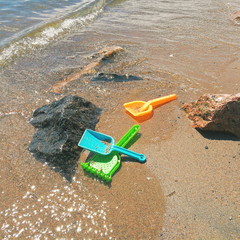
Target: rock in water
235, 17
60, 126
215, 112
112, 77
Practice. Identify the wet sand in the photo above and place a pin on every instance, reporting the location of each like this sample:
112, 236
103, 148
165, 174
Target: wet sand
187, 189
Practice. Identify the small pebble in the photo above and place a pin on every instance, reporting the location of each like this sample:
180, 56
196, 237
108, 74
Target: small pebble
206, 147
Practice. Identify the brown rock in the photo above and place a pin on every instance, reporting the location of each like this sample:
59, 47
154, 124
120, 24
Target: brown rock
235, 16
110, 51
215, 112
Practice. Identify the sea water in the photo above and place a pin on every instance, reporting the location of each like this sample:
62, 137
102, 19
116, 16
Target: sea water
20, 17
27, 24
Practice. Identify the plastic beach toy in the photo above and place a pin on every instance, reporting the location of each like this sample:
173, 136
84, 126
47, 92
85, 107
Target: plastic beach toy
105, 166
103, 144
141, 108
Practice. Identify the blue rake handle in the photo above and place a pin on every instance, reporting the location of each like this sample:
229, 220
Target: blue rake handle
138, 156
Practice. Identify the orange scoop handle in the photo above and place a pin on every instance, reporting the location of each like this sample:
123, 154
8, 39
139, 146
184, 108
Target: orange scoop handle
159, 101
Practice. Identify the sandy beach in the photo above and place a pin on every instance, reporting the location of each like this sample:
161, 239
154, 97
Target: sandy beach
187, 189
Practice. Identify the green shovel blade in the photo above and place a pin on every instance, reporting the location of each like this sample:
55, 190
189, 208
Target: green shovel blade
104, 166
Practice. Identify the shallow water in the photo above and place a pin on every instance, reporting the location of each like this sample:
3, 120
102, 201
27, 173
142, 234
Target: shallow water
191, 38
194, 39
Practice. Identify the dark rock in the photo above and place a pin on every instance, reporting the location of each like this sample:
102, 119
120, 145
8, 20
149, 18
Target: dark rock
104, 77
60, 126
218, 112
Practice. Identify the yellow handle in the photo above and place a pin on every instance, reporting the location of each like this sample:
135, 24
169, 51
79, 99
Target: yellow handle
158, 101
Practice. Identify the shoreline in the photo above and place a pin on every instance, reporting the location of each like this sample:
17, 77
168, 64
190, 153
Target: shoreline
183, 191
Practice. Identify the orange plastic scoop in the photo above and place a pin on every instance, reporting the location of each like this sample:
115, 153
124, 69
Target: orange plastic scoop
141, 108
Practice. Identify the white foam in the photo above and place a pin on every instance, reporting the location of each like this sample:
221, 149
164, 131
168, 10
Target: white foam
45, 36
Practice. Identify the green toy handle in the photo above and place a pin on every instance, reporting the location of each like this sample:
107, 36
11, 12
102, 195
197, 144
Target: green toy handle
125, 140
128, 136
